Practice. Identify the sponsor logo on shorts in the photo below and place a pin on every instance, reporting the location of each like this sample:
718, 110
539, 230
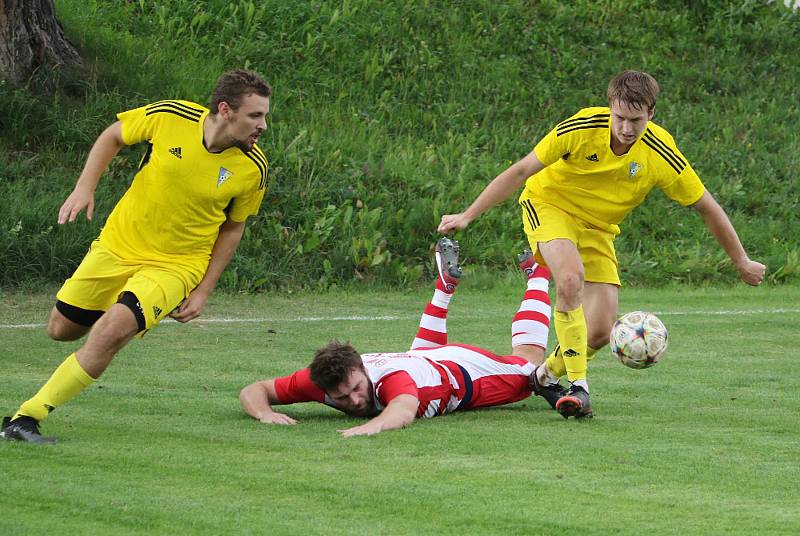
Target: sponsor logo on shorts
156, 311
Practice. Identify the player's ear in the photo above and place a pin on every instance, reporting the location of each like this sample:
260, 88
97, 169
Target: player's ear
224, 110
650, 113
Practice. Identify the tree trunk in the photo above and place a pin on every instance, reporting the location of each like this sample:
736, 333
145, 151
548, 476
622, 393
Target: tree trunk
31, 37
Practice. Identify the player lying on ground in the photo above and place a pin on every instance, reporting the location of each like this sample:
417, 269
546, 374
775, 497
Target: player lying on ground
433, 378
581, 180
167, 240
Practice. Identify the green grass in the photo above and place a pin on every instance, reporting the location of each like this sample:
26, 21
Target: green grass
704, 443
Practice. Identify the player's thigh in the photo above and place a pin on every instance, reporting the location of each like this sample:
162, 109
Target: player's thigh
158, 291
600, 303
496, 379
93, 288
553, 234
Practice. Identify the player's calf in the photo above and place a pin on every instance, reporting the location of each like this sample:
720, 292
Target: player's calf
433, 324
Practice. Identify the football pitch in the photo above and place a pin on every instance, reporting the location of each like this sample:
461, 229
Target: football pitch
706, 442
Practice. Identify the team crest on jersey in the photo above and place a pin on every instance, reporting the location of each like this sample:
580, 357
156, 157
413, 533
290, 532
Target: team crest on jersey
634, 169
224, 174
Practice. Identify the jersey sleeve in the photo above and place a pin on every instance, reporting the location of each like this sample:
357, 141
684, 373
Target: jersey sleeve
248, 204
298, 387
686, 189
551, 148
677, 178
395, 384
137, 126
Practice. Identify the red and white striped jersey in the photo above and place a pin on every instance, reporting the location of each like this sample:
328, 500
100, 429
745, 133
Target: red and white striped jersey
443, 379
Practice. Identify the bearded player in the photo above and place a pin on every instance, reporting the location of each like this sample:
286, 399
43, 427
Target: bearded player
167, 240
432, 378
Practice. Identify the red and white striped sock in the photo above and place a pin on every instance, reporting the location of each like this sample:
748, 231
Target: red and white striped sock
433, 324
531, 324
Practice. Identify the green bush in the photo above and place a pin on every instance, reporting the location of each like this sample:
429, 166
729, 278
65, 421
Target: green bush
387, 115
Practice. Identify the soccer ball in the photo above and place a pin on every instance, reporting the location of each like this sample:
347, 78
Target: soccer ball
638, 339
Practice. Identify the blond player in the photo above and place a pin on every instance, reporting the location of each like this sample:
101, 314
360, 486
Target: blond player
581, 180
167, 240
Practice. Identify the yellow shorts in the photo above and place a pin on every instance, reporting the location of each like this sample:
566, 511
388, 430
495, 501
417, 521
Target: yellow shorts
103, 277
543, 223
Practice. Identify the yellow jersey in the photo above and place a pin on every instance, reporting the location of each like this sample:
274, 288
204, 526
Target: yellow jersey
585, 178
182, 193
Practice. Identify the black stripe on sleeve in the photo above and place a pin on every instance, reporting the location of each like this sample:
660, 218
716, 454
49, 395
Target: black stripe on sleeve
594, 117
677, 163
678, 169
582, 126
179, 106
263, 158
174, 112
261, 164
667, 148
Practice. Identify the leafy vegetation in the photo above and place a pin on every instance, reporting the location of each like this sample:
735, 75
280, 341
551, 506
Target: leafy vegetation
387, 115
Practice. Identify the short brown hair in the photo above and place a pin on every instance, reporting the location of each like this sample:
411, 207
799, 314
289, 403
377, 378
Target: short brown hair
635, 88
332, 364
233, 86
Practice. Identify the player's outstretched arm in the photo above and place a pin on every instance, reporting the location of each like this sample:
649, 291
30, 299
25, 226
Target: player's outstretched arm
398, 413
230, 234
108, 144
503, 186
257, 400
715, 218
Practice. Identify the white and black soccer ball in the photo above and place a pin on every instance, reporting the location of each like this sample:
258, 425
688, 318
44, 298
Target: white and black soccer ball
638, 339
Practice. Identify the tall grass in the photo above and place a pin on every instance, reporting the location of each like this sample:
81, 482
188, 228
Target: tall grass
388, 114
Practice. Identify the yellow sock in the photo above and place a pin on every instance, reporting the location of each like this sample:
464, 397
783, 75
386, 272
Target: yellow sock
555, 362
571, 333
68, 380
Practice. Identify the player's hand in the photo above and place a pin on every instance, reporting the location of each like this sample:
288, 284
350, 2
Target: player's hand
77, 201
276, 418
453, 222
752, 272
191, 307
370, 428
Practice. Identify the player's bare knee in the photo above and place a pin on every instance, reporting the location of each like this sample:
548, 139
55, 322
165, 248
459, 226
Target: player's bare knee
58, 332
62, 329
569, 286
